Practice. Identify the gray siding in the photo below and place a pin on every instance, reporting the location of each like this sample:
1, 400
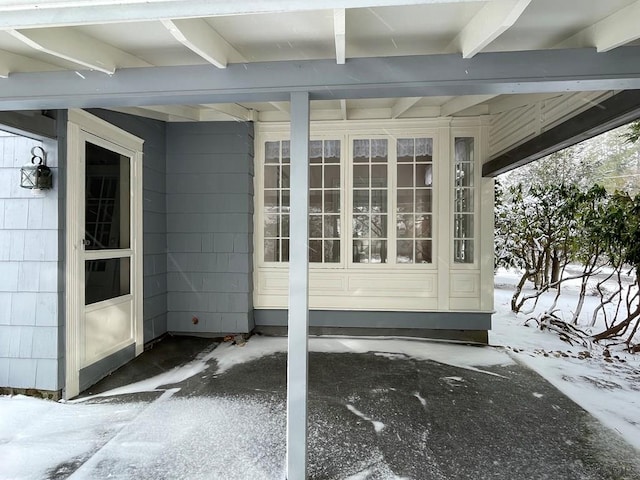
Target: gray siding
153, 133
210, 227
31, 347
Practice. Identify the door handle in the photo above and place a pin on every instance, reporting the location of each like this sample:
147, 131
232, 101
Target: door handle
85, 242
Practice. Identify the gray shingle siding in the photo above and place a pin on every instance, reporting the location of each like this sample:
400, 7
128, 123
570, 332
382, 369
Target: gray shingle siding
210, 227
30, 324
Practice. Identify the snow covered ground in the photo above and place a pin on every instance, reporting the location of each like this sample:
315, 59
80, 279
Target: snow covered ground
606, 386
41, 439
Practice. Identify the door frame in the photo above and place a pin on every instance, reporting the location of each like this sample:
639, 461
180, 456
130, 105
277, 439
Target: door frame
79, 123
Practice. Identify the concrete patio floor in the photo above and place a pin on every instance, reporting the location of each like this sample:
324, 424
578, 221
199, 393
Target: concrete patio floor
371, 416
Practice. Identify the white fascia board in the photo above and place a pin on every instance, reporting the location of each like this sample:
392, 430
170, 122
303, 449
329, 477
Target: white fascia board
232, 111
55, 13
488, 24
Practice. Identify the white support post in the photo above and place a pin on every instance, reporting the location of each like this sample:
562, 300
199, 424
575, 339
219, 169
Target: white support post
297, 369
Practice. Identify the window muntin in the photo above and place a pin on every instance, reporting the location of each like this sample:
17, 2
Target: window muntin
414, 200
463, 200
277, 159
325, 185
370, 231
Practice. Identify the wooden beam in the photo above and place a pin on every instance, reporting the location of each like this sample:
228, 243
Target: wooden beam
343, 109
282, 106
199, 37
340, 34
613, 112
611, 32
11, 62
459, 104
78, 48
402, 105
411, 76
177, 111
488, 24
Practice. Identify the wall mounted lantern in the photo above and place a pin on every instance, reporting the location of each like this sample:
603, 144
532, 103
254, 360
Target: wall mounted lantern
37, 176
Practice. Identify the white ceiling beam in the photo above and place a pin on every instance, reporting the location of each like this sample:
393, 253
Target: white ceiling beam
488, 24
343, 109
75, 47
199, 37
611, 32
340, 34
232, 111
56, 13
458, 104
402, 105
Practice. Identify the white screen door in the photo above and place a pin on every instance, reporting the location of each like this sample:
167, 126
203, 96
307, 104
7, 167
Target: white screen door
104, 244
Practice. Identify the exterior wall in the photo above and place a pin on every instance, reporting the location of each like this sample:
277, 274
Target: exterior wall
31, 347
154, 179
407, 296
210, 227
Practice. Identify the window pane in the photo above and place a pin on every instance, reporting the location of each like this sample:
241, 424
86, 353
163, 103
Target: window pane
272, 225
285, 176
464, 200
360, 176
271, 176
424, 201
272, 152
424, 175
361, 201
405, 201
378, 251
405, 150
286, 151
379, 175
424, 149
271, 250
332, 201
285, 225
315, 251
423, 251
405, 175
404, 251
361, 151
379, 151
360, 251
285, 200
315, 226
271, 201
332, 176
332, 251
361, 226
105, 279
379, 201
464, 175
107, 199
315, 151
284, 254
463, 226
379, 226
404, 228
463, 251
315, 201
332, 226
423, 226
332, 151
315, 176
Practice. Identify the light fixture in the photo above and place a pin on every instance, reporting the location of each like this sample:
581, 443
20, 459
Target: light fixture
37, 176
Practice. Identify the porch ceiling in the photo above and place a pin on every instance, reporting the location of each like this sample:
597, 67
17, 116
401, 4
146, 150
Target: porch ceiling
107, 46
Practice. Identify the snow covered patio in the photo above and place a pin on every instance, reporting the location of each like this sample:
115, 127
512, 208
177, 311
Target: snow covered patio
378, 409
